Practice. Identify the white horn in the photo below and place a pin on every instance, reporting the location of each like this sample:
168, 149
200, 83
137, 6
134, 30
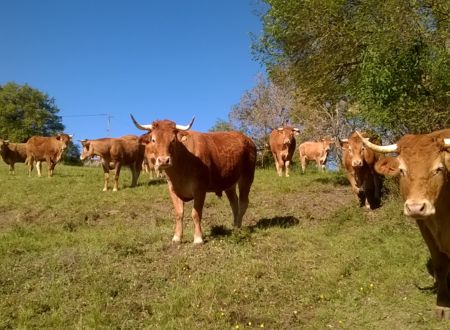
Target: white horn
142, 127
185, 128
377, 148
446, 143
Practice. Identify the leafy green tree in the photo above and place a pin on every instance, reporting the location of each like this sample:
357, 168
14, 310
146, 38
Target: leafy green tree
25, 111
222, 125
389, 60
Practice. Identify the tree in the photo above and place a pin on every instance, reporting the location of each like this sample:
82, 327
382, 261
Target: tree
25, 111
261, 109
389, 60
222, 125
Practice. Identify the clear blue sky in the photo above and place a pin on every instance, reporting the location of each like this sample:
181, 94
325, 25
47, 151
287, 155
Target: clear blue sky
156, 59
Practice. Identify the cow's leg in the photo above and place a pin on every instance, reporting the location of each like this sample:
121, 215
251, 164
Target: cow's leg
137, 172
51, 167
178, 205
133, 174
11, 168
303, 162
234, 203
105, 166
244, 185
39, 168
278, 165
199, 201
441, 264
116, 176
286, 166
30, 162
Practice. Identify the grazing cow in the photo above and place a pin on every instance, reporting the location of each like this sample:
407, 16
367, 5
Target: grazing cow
314, 151
148, 165
114, 153
423, 165
282, 145
196, 163
359, 164
49, 149
13, 153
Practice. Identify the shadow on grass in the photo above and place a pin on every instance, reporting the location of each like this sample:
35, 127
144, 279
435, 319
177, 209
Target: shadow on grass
280, 222
335, 180
155, 182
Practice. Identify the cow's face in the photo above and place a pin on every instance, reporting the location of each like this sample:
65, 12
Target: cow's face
3, 146
64, 139
161, 143
354, 150
421, 165
88, 150
287, 135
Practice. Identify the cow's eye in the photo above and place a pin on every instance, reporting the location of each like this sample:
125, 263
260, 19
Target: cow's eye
402, 172
153, 140
438, 170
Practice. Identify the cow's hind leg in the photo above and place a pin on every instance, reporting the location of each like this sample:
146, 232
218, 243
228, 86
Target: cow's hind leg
441, 265
234, 203
244, 185
286, 166
199, 201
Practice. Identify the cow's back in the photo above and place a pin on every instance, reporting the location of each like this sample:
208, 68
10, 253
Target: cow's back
127, 150
310, 149
40, 146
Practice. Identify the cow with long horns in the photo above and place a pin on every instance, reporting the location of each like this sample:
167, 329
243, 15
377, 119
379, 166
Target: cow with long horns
282, 145
196, 163
423, 165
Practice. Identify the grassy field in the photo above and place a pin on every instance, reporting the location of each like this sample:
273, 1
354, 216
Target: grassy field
307, 257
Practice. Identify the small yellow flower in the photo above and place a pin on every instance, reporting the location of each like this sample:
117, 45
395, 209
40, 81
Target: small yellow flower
371, 285
261, 325
249, 323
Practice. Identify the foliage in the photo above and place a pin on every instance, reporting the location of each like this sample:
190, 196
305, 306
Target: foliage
388, 59
261, 109
72, 155
25, 111
221, 125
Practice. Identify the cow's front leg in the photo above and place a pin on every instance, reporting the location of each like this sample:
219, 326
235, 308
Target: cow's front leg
39, 168
286, 165
199, 201
11, 168
105, 166
116, 176
178, 205
51, 167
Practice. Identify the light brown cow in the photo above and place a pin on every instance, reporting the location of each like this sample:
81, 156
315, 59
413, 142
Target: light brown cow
282, 145
13, 153
196, 163
316, 151
359, 164
49, 149
423, 164
116, 152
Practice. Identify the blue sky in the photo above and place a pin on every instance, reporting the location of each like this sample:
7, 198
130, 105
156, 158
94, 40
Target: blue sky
156, 59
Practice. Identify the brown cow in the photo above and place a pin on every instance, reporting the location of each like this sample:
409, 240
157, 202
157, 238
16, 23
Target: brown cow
116, 152
282, 145
359, 164
49, 149
314, 151
196, 163
13, 153
423, 164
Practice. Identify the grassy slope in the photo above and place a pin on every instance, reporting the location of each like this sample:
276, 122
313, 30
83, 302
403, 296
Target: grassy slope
307, 258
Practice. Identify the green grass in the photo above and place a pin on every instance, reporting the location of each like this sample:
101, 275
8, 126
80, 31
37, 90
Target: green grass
307, 257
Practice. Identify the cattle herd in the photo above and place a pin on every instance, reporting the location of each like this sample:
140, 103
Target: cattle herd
195, 163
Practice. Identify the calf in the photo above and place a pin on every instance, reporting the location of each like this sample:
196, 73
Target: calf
49, 149
116, 152
282, 145
314, 151
13, 153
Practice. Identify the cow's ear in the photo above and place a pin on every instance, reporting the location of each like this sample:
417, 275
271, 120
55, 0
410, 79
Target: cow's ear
387, 166
343, 144
144, 139
183, 136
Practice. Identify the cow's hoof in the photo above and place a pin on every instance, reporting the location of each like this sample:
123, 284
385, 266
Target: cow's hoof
115, 189
198, 240
176, 240
105, 189
442, 312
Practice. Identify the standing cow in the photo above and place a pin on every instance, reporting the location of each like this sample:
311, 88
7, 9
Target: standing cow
196, 163
359, 163
282, 145
423, 164
116, 152
49, 149
316, 151
13, 153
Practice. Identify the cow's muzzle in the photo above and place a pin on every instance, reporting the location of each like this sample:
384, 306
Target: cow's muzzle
163, 162
418, 209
